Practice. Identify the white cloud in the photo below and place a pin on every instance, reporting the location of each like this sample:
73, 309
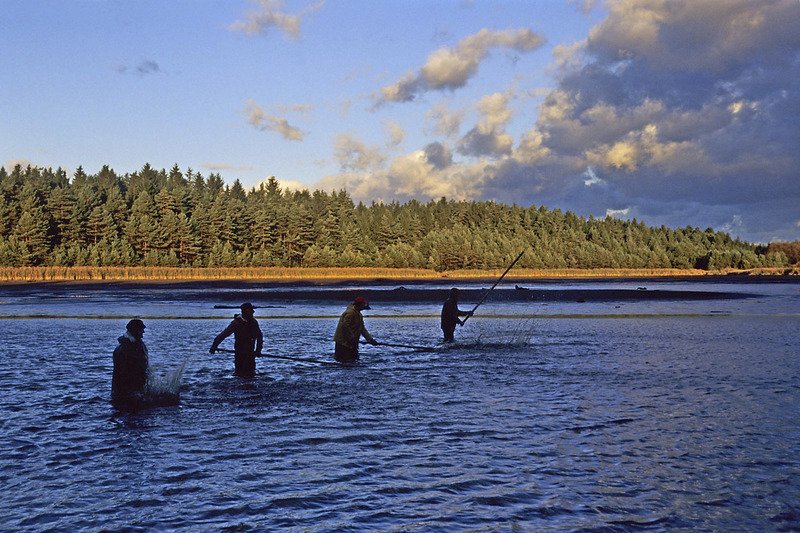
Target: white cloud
409, 176
23, 163
444, 121
292, 185
618, 213
451, 68
354, 155
270, 14
488, 137
591, 178
395, 132
258, 118
736, 223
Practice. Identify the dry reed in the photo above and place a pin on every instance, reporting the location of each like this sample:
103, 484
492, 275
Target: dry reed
143, 273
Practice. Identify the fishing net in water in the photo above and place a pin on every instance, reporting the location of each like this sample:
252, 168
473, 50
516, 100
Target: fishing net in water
164, 388
519, 334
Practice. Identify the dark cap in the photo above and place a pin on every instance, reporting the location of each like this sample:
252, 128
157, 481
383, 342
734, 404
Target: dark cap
135, 324
247, 305
454, 291
361, 302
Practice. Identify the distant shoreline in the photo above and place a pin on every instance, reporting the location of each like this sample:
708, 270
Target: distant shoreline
326, 276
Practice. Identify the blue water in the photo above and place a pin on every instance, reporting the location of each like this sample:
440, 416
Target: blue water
612, 415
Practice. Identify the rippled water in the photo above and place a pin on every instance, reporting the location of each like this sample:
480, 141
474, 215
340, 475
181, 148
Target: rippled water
547, 415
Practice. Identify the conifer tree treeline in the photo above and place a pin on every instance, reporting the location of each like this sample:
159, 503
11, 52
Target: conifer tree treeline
174, 218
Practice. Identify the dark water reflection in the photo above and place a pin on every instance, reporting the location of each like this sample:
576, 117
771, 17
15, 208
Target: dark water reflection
656, 422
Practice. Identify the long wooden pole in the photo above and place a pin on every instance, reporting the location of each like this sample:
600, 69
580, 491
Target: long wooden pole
411, 346
288, 358
493, 286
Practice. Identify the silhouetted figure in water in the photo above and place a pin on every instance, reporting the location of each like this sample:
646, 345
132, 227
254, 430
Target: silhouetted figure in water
129, 380
248, 341
450, 314
349, 331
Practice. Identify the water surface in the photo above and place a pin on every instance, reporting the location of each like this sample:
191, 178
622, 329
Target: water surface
615, 413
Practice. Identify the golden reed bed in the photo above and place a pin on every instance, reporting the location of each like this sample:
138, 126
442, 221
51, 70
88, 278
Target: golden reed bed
143, 273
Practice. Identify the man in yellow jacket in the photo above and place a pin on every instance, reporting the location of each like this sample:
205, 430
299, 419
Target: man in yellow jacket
349, 331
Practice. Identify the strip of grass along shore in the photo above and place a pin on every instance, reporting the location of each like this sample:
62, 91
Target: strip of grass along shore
146, 273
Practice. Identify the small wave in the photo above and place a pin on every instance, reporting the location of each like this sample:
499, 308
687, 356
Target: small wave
601, 425
643, 523
720, 502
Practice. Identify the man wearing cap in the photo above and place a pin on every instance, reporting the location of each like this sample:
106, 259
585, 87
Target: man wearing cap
349, 331
129, 380
247, 344
450, 314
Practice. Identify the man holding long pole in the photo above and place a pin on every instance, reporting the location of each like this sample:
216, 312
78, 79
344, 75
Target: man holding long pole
451, 312
247, 344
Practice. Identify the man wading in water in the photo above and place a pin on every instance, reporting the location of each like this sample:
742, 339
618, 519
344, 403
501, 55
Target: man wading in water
450, 314
349, 330
248, 341
129, 380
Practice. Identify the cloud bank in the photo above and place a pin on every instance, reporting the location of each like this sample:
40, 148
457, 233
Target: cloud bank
672, 111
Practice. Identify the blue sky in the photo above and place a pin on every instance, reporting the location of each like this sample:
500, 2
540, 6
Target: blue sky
673, 112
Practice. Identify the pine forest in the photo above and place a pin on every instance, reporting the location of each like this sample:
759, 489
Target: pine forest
172, 218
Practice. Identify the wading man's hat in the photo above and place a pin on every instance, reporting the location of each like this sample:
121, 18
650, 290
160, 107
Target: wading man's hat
247, 305
361, 302
135, 324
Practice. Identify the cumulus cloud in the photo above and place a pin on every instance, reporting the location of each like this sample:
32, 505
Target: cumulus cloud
451, 68
438, 155
259, 119
488, 137
413, 175
444, 121
354, 155
726, 38
269, 15
669, 104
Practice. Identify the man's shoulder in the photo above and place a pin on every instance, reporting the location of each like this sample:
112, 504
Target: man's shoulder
124, 346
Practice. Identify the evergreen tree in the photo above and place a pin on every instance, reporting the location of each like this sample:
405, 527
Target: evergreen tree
32, 230
141, 230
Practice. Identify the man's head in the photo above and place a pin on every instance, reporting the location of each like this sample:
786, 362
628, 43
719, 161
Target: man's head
248, 310
454, 293
136, 328
361, 303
